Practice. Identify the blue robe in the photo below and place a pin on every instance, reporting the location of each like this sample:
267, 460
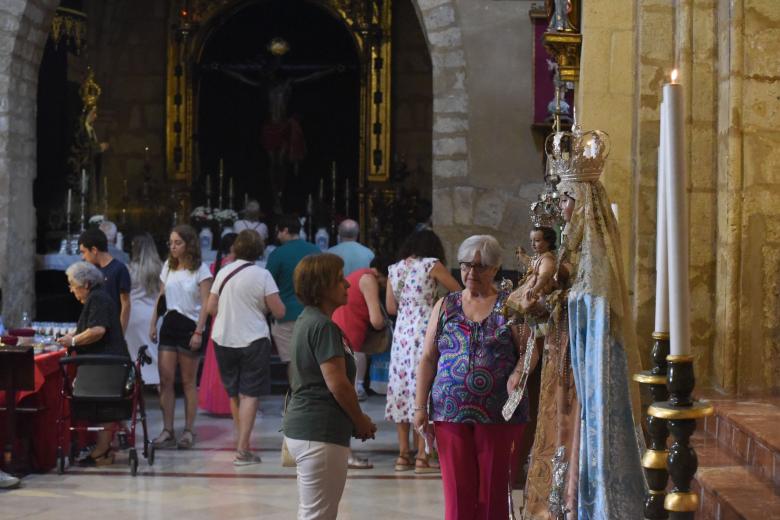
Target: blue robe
611, 480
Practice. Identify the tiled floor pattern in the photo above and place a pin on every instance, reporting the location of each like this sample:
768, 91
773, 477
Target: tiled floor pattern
203, 483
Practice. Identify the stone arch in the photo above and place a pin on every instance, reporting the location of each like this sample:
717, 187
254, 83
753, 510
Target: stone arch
24, 27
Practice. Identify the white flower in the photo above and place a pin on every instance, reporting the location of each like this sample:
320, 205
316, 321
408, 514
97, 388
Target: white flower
96, 219
225, 215
202, 213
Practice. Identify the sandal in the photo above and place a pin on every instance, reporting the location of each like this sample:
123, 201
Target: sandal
422, 466
104, 459
404, 462
165, 440
186, 440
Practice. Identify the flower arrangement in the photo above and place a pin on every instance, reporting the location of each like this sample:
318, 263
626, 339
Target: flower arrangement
225, 216
96, 219
202, 215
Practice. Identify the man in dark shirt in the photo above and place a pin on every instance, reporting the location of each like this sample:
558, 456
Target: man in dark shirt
93, 245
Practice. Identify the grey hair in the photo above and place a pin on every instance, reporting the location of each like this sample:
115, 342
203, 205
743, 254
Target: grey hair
109, 228
349, 229
84, 274
252, 210
488, 247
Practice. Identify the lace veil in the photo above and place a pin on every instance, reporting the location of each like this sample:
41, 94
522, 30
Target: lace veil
591, 241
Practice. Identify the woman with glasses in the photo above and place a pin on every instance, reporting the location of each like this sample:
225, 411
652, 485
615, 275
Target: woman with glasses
472, 360
411, 293
185, 284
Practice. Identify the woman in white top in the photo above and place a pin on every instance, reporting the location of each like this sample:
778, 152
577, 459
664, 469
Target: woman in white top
241, 296
145, 266
186, 282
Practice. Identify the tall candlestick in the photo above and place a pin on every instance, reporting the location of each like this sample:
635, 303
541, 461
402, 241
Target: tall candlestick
124, 184
333, 185
70, 195
677, 221
221, 174
661, 249
322, 191
230, 192
246, 200
105, 199
346, 197
84, 185
124, 216
309, 205
146, 155
333, 200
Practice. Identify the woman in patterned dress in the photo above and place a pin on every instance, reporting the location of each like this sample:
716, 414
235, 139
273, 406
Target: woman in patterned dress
472, 360
411, 293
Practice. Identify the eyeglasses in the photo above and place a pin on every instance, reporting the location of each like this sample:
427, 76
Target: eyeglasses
478, 268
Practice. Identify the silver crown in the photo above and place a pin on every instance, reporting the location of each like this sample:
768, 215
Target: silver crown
577, 156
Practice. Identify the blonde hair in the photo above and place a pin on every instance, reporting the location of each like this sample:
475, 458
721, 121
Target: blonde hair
145, 264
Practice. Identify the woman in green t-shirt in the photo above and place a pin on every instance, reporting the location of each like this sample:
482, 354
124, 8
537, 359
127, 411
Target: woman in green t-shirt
323, 411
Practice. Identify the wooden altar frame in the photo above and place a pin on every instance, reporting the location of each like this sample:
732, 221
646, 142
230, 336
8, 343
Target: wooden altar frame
192, 23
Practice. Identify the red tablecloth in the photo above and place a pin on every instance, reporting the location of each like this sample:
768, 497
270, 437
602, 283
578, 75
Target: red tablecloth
41, 427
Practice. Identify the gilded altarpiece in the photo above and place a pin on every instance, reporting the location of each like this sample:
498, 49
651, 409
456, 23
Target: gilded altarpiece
192, 22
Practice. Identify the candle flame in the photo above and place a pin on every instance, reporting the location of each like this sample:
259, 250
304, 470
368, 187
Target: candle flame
674, 76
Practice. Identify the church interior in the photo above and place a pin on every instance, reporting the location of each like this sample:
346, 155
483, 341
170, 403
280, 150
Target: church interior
400, 114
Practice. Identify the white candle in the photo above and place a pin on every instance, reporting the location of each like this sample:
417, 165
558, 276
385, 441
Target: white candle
230, 187
677, 221
70, 193
208, 185
661, 250
83, 181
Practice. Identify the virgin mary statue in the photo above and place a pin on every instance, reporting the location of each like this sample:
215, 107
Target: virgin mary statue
610, 481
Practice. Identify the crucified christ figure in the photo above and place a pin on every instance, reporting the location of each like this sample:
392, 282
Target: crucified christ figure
281, 136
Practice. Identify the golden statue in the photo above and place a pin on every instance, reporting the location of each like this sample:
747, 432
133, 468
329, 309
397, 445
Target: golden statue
87, 149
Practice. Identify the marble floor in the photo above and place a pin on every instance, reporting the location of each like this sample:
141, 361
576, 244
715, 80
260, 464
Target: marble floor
203, 483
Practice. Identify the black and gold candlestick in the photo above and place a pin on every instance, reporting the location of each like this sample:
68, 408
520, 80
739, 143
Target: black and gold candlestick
654, 459
681, 412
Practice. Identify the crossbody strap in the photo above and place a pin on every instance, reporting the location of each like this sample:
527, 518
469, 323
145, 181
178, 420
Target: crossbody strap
231, 275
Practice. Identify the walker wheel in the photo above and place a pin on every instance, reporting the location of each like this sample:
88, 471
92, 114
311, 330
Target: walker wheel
133, 462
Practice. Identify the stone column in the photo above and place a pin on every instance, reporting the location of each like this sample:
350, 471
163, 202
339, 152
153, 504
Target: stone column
24, 26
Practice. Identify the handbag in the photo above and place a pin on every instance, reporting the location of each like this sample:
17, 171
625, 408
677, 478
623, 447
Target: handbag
378, 341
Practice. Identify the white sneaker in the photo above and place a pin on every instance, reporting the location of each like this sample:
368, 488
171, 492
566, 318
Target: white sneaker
362, 395
8, 481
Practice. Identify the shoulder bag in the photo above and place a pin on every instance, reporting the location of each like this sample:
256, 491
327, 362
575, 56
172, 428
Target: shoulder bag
378, 341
